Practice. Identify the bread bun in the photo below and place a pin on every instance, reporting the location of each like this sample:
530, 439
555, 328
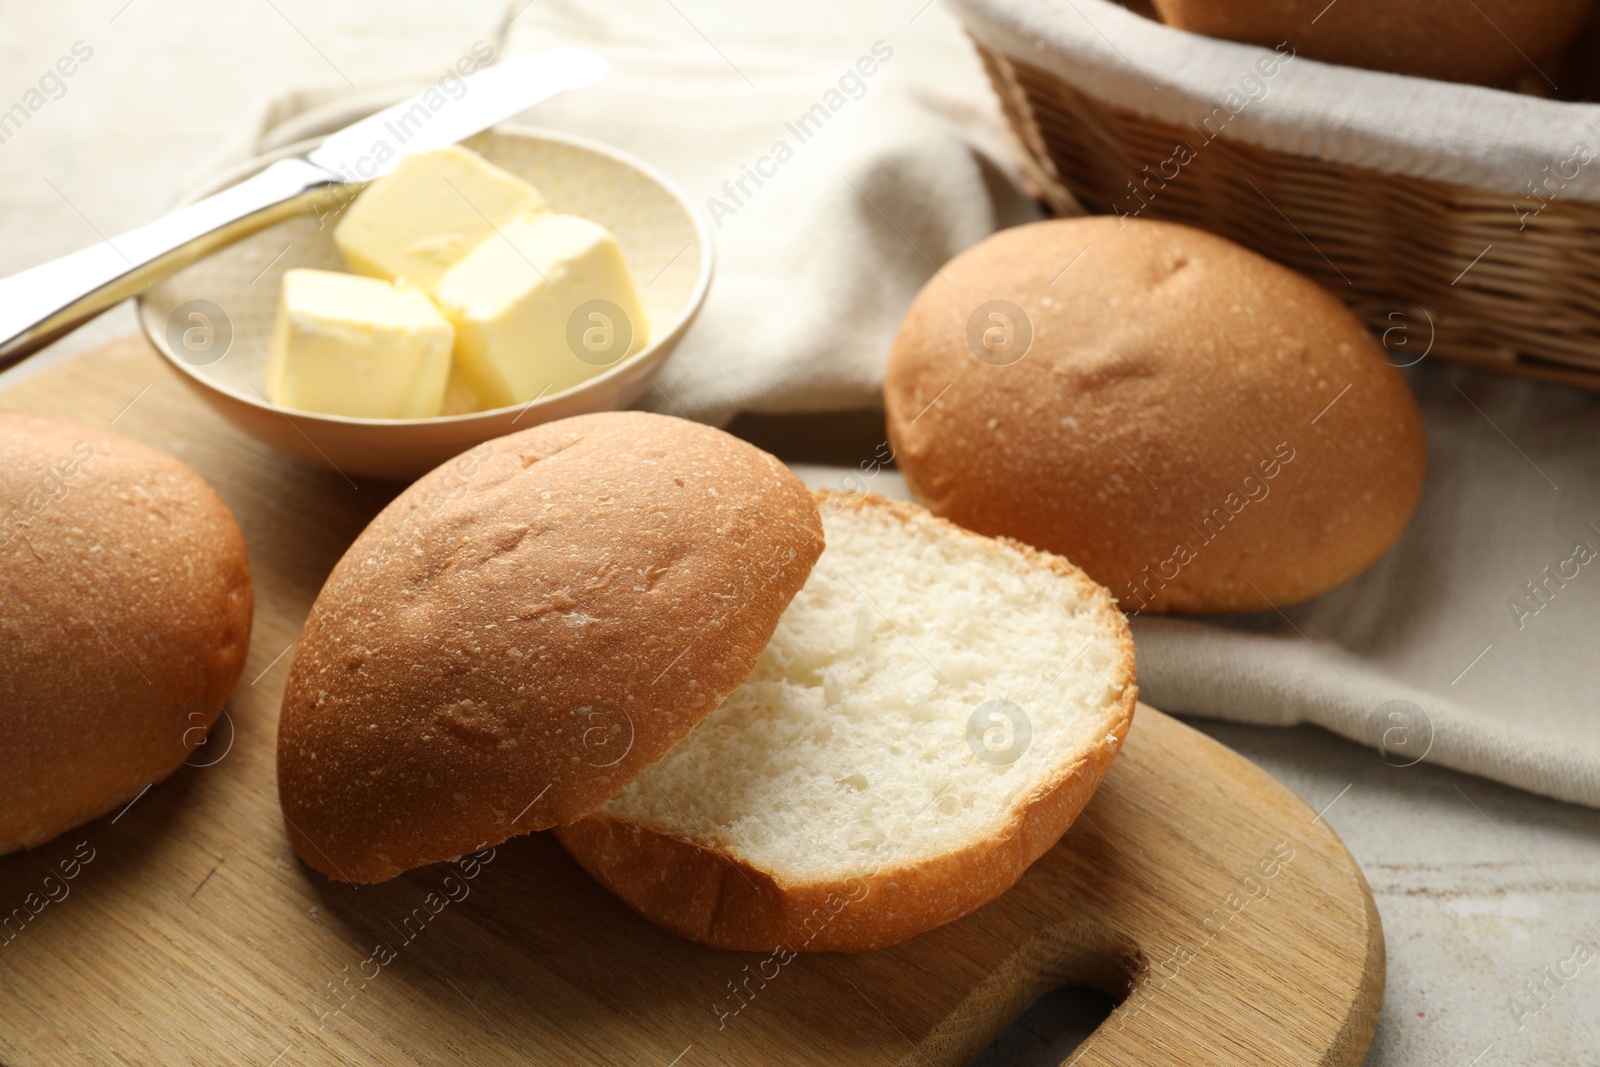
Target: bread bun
932, 713
526, 628
1198, 428
125, 621
1490, 42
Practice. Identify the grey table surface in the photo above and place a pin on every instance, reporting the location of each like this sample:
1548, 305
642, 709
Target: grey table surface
1484, 890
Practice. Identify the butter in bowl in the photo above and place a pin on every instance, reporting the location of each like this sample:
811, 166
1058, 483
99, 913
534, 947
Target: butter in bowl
477, 289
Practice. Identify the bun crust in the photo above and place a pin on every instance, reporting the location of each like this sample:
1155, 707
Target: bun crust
1490, 42
125, 621
703, 890
1198, 428
526, 628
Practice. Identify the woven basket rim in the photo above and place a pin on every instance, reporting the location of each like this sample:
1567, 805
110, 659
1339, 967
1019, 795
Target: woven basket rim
1407, 246
1471, 136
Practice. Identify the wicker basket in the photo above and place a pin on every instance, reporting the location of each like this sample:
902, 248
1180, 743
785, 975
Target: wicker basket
1435, 269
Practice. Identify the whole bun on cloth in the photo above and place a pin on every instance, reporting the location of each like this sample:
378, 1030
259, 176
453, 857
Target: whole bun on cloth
1198, 428
525, 629
125, 611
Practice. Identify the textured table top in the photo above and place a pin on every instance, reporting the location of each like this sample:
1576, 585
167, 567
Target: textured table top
1481, 887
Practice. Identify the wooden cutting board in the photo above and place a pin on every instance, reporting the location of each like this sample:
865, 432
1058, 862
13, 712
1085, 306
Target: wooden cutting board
1221, 912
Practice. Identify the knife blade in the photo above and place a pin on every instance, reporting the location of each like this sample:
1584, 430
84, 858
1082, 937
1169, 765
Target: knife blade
374, 146
43, 303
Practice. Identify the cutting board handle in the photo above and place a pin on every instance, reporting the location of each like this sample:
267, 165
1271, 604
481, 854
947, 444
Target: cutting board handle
1252, 942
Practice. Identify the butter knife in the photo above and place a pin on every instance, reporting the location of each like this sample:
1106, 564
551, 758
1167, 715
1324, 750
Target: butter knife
46, 302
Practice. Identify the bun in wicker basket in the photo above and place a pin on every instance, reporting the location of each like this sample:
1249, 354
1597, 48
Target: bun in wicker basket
1461, 222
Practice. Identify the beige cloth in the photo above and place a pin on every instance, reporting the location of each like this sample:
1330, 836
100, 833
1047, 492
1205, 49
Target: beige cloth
874, 178
817, 264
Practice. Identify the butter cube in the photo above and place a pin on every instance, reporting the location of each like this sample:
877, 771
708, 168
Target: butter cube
544, 304
420, 220
348, 345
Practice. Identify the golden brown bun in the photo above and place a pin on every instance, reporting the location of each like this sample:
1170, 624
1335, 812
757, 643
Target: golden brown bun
698, 885
1490, 42
125, 614
523, 630
1198, 428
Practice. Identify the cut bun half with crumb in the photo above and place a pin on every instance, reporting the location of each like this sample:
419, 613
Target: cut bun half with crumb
525, 629
934, 710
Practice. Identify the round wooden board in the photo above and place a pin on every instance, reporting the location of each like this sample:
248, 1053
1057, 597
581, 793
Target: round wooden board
1223, 914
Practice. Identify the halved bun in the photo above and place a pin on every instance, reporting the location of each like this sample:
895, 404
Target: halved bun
525, 629
932, 713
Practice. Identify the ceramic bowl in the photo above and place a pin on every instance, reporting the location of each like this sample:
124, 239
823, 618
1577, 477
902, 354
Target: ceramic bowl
235, 293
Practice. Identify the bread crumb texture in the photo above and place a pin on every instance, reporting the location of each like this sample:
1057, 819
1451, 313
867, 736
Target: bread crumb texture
901, 750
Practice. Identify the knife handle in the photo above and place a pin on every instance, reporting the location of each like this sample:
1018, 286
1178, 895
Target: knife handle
41, 304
